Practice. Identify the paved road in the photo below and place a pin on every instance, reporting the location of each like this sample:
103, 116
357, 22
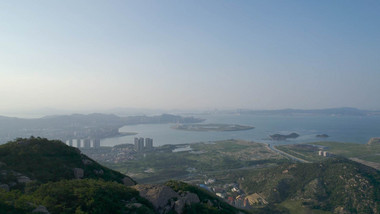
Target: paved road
288, 155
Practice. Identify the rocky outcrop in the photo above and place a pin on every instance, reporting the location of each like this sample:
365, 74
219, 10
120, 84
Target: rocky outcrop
41, 209
98, 172
23, 179
187, 198
78, 173
164, 199
4, 187
374, 140
127, 181
87, 161
159, 195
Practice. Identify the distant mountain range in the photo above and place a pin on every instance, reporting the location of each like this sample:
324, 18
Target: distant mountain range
79, 126
346, 111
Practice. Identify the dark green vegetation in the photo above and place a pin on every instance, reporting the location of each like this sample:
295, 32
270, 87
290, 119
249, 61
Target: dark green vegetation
212, 127
333, 185
163, 164
283, 137
42, 160
75, 196
38, 175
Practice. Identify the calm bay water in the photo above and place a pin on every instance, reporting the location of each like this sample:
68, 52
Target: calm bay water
353, 129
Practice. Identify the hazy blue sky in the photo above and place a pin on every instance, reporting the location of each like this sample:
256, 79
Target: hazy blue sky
189, 54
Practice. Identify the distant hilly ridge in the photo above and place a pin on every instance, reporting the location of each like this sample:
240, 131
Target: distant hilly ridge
345, 111
78, 126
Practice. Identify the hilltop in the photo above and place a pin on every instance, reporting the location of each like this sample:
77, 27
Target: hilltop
41, 160
39, 175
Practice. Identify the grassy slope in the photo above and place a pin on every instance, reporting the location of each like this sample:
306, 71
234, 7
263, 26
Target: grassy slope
349, 150
296, 207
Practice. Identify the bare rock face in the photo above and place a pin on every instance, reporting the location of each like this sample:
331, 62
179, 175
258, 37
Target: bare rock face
187, 199
41, 209
99, 172
160, 196
374, 140
341, 210
23, 179
165, 199
4, 187
128, 181
78, 173
87, 161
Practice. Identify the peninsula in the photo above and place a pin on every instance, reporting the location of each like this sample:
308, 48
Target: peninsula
212, 127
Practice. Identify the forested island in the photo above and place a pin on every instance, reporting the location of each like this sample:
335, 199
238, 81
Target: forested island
283, 137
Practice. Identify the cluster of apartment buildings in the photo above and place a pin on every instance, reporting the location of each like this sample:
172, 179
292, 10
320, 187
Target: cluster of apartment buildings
84, 143
140, 146
323, 153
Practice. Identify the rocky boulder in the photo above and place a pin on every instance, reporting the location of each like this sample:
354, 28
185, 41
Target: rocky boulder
187, 198
4, 187
41, 209
165, 199
127, 181
78, 173
374, 140
160, 196
23, 179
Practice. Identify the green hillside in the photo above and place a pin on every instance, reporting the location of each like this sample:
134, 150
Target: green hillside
42, 176
75, 196
41, 160
332, 185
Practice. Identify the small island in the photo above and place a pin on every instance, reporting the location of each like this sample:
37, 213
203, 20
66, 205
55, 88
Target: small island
280, 137
322, 135
212, 127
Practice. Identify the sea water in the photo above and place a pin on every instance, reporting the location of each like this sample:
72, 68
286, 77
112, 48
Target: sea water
353, 129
